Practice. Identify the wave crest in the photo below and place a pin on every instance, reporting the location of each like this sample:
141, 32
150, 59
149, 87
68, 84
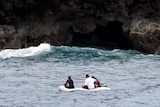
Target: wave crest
25, 52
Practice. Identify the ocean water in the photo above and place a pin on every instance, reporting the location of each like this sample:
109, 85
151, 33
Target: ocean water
30, 77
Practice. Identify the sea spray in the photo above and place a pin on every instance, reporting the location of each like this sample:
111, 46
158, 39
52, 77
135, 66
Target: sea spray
25, 52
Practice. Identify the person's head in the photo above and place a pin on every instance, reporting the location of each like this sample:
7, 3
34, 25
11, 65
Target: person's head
69, 77
87, 75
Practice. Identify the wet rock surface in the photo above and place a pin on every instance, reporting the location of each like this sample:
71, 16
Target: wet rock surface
124, 24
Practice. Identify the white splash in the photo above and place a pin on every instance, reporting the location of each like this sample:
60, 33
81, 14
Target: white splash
25, 52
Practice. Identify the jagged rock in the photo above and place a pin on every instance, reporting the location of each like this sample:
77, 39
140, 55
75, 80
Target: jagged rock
145, 35
84, 25
8, 36
60, 21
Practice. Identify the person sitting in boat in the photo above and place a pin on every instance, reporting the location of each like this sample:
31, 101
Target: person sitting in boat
69, 83
97, 83
89, 82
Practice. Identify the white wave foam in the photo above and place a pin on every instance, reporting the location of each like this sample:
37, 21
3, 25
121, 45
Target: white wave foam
31, 51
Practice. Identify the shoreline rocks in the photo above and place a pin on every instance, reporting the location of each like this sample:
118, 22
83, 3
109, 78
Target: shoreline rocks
130, 23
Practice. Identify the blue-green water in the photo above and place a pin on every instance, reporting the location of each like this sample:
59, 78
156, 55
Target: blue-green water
30, 77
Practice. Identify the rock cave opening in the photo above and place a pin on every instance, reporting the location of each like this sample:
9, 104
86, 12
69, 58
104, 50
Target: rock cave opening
105, 37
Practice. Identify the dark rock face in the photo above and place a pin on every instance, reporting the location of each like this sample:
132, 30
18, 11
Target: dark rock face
145, 35
124, 24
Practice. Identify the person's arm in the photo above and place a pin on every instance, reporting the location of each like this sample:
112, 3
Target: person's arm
86, 83
66, 83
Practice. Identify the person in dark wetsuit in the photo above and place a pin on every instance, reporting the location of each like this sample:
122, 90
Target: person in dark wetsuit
69, 83
97, 83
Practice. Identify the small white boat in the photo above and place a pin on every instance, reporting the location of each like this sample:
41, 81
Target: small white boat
63, 88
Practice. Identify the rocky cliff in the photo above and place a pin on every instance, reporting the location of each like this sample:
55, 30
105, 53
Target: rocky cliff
124, 24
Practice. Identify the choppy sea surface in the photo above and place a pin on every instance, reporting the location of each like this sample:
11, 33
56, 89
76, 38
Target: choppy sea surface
30, 77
